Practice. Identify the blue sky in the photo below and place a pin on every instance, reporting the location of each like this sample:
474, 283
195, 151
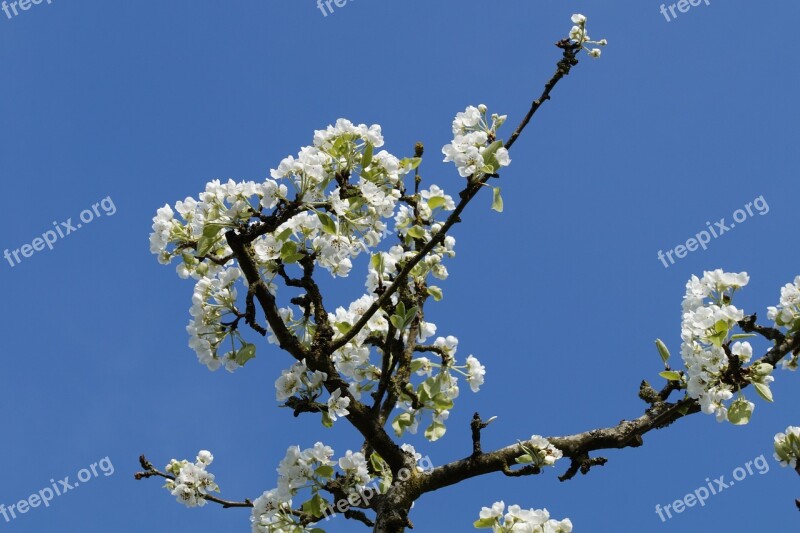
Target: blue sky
561, 296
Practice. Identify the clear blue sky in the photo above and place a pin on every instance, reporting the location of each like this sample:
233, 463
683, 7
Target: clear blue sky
561, 296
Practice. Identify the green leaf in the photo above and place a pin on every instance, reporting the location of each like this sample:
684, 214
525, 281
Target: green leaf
366, 159
339, 145
484, 523
739, 413
247, 352
436, 292
204, 245
326, 420
344, 327
435, 431
413, 161
427, 389
209, 238
718, 338
763, 391
524, 459
497, 200
377, 261
328, 225
282, 236
742, 336
442, 402
410, 314
721, 328
436, 201
212, 230
401, 422
315, 506
669, 375
416, 364
397, 322
416, 232
662, 350
490, 150
377, 462
325, 471
492, 165
289, 253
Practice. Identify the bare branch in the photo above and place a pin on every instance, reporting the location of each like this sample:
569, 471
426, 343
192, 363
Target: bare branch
151, 471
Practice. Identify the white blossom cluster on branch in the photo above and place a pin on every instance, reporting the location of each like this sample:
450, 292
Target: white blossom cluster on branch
787, 447
519, 520
338, 200
787, 316
192, 481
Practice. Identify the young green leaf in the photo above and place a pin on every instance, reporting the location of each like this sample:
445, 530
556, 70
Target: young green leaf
662, 350
441, 401
209, 238
739, 413
669, 375
366, 159
247, 352
315, 506
413, 161
497, 200
328, 225
484, 523
436, 201
377, 261
435, 431
416, 232
436, 292
763, 391
325, 471
401, 422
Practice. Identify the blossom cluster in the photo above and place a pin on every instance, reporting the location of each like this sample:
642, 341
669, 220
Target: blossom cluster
520, 520
313, 469
579, 35
539, 452
213, 300
192, 481
787, 315
787, 447
708, 319
437, 392
343, 194
474, 149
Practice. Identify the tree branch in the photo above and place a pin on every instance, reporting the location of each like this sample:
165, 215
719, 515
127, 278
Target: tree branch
151, 471
628, 433
286, 338
473, 187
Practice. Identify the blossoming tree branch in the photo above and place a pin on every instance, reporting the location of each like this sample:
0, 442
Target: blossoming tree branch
256, 251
